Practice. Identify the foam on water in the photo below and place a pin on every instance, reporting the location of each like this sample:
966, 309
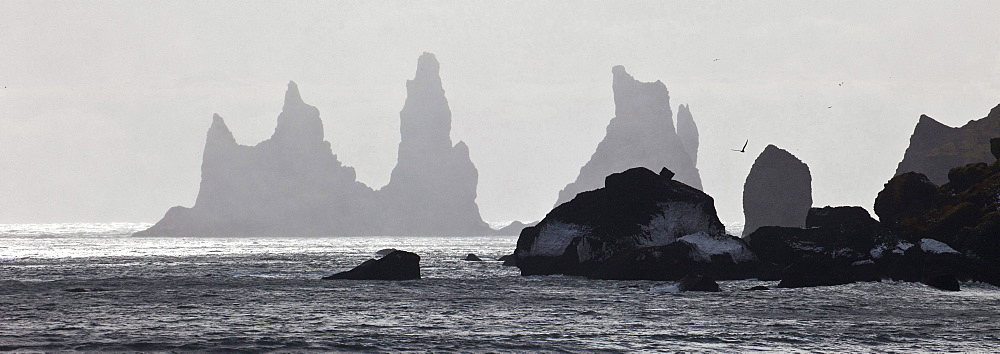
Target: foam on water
265, 294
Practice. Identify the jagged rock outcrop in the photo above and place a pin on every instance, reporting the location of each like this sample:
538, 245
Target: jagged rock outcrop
432, 190
641, 225
777, 192
293, 185
290, 184
397, 265
936, 148
688, 132
640, 135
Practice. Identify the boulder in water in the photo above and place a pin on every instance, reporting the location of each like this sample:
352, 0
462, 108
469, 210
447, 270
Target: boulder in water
397, 265
698, 282
471, 257
943, 281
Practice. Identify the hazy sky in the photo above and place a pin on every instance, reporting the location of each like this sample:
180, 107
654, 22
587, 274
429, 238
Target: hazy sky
105, 105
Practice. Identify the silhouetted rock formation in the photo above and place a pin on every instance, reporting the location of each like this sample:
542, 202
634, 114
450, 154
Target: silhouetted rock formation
688, 132
639, 226
777, 192
471, 257
935, 148
640, 135
293, 185
398, 265
432, 190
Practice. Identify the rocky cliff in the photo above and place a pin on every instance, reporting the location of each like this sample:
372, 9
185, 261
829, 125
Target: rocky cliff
777, 192
935, 148
640, 135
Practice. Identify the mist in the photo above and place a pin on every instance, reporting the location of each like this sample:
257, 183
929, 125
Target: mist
105, 105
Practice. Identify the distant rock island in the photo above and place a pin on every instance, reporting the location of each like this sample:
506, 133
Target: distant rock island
935, 148
641, 134
293, 185
777, 192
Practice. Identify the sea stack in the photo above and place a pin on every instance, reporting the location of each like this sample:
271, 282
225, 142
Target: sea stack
293, 185
688, 132
432, 190
777, 192
290, 184
936, 148
640, 135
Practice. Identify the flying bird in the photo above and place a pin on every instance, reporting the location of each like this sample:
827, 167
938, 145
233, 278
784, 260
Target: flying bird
744, 149
829, 107
716, 59
841, 84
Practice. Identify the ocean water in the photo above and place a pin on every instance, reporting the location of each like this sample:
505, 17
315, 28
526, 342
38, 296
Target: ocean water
265, 294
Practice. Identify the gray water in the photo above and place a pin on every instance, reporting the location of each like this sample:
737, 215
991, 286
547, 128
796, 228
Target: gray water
265, 294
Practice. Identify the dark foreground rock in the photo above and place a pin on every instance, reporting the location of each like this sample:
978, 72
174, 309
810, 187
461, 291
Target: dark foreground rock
641, 225
815, 273
698, 282
471, 257
963, 215
398, 265
943, 281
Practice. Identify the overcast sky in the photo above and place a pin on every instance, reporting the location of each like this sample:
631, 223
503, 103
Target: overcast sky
105, 105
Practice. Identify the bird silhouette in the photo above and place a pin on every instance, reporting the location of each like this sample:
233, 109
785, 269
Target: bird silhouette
841, 84
744, 149
716, 59
829, 107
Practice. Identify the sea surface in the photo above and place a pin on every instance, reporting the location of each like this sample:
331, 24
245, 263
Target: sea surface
265, 294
